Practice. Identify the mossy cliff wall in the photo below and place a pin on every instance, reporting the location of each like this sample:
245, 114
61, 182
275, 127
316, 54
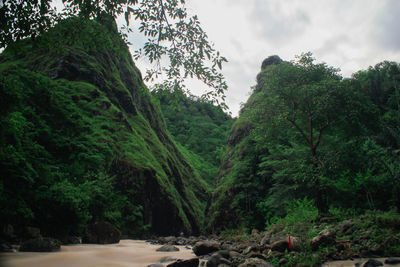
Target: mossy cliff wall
81, 139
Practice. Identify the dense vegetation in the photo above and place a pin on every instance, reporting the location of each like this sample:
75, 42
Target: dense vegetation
306, 134
82, 140
199, 126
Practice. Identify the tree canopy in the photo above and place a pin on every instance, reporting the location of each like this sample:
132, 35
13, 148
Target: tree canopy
176, 44
308, 134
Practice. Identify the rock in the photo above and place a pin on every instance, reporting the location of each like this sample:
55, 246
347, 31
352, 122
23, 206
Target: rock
265, 240
280, 246
168, 240
167, 248
392, 261
7, 232
249, 249
255, 233
167, 259
41, 245
155, 265
283, 261
325, 237
256, 255
255, 262
185, 263
372, 263
205, 247
345, 226
31, 232
278, 237
217, 259
69, 240
6, 248
102, 233
234, 254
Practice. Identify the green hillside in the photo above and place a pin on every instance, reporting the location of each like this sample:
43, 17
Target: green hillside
199, 126
82, 139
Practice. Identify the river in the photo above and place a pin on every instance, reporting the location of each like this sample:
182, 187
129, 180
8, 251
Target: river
130, 253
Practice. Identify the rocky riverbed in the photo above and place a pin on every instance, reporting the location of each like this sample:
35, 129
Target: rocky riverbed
166, 251
364, 241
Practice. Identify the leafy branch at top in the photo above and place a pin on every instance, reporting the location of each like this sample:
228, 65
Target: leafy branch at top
176, 44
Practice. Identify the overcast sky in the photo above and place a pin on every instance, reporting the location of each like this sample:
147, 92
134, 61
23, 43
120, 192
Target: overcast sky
350, 35
346, 34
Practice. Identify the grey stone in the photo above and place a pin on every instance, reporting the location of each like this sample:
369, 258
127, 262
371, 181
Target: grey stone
167, 248
185, 263
255, 262
392, 261
372, 263
41, 245
205, 247
102, 233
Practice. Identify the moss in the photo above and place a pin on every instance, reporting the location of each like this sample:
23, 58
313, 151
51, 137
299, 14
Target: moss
83, 108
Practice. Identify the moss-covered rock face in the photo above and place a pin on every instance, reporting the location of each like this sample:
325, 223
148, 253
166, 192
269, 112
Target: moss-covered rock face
237, 198
81, 139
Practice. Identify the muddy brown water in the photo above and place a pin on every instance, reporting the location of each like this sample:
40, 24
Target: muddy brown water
130, 253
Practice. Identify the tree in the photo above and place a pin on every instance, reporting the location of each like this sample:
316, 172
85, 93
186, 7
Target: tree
172, 36
307, 100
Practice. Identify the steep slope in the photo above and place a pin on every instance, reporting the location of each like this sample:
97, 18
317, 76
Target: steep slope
82, 140
199, 126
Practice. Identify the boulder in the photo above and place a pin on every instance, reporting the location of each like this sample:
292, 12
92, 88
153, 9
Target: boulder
325, 237
280, 246
217, 259
345, 226
167, 259
70, 240
205, 247
4, 247
185, 263
31, 232
40, 245
155, 265
167, 248
7, 232
255, 262
102, 233
372, 263
265, 240
392, 261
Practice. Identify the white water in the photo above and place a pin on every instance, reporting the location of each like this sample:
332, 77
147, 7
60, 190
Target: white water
130, 253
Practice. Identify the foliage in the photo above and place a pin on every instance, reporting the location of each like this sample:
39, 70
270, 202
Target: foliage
306, 133
89, 144
199, 126
173, 37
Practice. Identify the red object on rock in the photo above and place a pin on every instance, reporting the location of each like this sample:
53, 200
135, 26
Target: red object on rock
290, 243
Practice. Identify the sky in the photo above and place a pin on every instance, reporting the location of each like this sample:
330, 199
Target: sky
349, 35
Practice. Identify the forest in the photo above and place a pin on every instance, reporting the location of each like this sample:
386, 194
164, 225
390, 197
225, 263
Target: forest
84, 140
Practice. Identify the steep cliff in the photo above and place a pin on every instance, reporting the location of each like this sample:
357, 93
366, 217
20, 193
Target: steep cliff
82, 140
240, 188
